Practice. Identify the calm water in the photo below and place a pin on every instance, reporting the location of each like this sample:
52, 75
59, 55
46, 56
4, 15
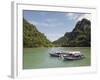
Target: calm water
39, 58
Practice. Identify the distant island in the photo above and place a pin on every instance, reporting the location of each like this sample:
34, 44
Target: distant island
80, 36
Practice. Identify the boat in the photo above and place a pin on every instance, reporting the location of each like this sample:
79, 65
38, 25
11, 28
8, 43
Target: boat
76, 55
58, 54
69, 55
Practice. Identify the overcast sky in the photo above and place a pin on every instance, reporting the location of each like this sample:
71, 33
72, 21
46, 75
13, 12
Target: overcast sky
54, 24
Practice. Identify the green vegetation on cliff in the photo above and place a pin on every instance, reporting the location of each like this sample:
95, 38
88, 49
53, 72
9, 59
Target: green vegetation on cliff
32, 37
79, 37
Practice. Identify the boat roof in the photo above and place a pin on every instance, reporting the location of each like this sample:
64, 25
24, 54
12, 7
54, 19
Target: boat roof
68, 52
74, 52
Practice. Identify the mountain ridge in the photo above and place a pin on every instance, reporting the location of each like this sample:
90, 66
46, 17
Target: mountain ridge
32, 37
79, 37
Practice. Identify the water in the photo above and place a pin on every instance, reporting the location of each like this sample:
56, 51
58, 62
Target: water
35, 58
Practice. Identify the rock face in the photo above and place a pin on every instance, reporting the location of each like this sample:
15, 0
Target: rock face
79, 37
32, 37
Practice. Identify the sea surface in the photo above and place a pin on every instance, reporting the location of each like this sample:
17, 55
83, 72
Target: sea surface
35, 58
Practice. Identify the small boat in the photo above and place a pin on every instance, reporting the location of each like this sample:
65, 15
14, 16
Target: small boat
58, 54
74, 56
71, 55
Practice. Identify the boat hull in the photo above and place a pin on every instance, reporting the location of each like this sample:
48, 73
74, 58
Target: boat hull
58, 54
73, 58
54, 55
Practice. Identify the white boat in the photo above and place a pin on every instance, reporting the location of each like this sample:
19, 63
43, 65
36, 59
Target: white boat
68, 55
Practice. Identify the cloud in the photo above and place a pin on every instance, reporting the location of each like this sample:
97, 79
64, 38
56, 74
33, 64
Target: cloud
72, 16
33, 22
51, 20
43, 24
87, 16
38, 23
78, 16
51, 25
53, 37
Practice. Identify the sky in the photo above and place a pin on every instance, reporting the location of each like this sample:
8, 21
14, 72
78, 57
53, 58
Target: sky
54, 24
